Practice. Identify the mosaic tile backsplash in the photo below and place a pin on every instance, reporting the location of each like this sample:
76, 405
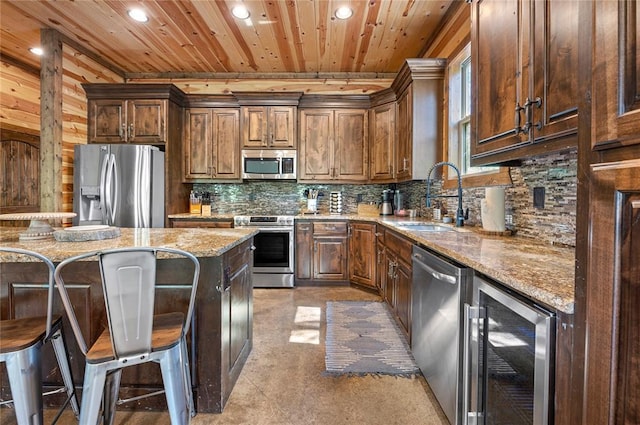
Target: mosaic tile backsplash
554, 224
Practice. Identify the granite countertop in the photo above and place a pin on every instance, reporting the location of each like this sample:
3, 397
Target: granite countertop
200, 242
215, 217
542, 272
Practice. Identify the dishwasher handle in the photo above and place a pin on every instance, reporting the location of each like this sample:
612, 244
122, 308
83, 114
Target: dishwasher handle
419, 260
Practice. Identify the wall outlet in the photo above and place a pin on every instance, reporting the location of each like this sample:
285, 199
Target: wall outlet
538, 197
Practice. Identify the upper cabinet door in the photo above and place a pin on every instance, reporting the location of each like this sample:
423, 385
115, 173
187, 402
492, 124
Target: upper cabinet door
107, 121
226, 146
316, 132
282, 127
383, 136
555, 31
500, 68
351, 150
147, 121
198, 144
254, 126
616, 74
524, 76
270, 127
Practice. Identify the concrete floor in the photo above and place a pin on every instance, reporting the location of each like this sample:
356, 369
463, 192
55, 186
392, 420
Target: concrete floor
282, 382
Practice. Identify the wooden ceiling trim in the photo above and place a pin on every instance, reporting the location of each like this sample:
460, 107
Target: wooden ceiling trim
26, 67
260, 75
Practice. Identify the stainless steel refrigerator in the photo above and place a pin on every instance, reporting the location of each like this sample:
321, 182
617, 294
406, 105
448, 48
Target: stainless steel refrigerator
118, 185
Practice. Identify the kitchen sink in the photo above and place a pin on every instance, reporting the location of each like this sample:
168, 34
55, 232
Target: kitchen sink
424, 227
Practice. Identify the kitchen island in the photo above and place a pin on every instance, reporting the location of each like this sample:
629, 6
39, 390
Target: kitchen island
221, 333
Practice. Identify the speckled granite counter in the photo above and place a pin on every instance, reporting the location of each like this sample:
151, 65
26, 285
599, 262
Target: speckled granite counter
200, 242
543, 272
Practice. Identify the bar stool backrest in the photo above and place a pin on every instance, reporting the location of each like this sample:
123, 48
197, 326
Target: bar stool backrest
128, 283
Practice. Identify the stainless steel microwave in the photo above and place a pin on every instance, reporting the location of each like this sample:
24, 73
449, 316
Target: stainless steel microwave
269, 164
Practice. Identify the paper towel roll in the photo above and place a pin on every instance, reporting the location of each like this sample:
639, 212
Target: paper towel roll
492, 209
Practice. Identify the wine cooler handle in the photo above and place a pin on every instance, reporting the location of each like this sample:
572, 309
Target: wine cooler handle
470, 327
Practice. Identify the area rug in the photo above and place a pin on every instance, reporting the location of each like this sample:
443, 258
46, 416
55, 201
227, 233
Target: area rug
363, 339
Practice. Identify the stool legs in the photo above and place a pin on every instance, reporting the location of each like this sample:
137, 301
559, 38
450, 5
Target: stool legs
25, 380
184, 360
175, 385
94, 380
65, 370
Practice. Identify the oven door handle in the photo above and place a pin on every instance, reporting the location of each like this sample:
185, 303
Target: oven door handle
272, 229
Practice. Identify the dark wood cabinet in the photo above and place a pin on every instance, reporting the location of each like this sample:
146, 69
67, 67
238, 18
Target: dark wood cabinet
268, 127
616, 75
334, 145
142, 121
362, 254
397, 290
321, 252
524, 67
613, 294
127, 121
211, 144
419, 89
382, 127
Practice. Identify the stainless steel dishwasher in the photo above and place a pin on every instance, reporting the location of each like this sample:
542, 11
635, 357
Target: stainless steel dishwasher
440, 290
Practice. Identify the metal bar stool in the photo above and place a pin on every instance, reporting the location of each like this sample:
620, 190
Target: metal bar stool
135, 335
21, 341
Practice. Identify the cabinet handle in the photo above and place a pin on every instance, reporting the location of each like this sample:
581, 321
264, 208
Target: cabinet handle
123, 129
517, 128
315, 246
130, 133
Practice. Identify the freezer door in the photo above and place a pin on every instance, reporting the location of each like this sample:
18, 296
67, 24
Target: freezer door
89, 175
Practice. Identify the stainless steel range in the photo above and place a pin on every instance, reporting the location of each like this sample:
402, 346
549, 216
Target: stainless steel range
273, 258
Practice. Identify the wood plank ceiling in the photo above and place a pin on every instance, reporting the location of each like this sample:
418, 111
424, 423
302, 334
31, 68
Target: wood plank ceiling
193, 37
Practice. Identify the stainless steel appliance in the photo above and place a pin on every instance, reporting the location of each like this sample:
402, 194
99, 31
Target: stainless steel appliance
439, 291
273, 258
118, 185
269, 164
509, 357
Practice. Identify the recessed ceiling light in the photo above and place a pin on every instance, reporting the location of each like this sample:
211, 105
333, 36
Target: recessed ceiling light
36, 51
138, 15
240, 12
344, 12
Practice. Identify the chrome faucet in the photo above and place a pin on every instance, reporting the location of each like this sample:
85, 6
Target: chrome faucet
460, 215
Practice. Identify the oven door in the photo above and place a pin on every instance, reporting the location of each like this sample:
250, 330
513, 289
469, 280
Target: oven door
274, 250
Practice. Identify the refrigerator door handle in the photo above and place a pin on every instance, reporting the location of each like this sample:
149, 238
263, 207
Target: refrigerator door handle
103, 189
116, 188
144, 189
110, 188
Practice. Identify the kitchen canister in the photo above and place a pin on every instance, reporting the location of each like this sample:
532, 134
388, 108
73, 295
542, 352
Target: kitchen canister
335, 203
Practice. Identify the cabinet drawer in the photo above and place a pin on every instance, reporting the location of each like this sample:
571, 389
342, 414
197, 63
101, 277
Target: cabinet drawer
398, 244
330, 228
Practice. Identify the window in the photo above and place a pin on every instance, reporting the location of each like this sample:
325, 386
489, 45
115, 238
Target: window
459, 128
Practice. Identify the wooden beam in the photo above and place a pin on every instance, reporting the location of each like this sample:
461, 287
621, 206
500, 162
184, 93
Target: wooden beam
51, 121
19, 64
260, 75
